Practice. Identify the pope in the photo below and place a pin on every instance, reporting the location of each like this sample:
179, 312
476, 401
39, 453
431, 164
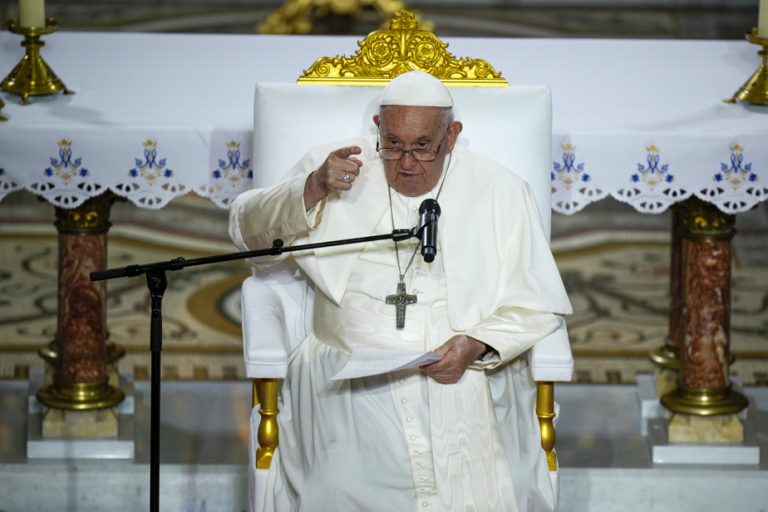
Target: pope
457, 434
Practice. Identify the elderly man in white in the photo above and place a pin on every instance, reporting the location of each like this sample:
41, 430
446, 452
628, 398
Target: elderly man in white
458, 434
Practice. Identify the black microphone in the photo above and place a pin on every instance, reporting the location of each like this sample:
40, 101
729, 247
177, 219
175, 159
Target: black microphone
430, 212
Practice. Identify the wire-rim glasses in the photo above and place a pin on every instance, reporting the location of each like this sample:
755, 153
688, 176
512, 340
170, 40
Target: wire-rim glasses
421, 155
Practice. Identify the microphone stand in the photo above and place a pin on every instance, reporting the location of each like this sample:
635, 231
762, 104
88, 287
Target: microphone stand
157, 283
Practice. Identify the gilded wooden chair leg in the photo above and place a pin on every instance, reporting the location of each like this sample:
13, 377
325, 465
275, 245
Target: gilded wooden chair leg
265, 391
545, 410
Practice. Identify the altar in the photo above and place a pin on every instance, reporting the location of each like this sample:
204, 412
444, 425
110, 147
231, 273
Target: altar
156, 117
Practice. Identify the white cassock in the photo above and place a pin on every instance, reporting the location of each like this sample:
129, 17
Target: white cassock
402, 441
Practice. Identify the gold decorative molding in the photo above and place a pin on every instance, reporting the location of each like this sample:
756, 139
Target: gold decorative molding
298, 16
705, 401
386, 54
701, 220
80, 396
90, 218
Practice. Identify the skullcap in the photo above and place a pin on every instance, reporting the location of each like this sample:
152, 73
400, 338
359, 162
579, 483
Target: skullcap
416, 89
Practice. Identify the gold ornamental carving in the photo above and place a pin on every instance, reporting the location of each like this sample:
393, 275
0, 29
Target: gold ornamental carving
90, 218
386, 54
701, 220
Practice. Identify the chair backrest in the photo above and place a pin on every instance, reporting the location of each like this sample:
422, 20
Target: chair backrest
511, 125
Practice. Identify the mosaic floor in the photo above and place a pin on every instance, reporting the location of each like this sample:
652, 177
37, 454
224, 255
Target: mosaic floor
614, 262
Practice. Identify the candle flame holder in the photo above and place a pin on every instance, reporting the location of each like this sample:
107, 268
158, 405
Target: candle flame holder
755, 90
32, 76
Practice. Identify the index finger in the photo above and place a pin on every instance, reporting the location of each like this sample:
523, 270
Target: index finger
347, 151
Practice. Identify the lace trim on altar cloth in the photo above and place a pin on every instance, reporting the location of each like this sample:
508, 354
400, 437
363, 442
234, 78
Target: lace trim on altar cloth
653, 186
732, 177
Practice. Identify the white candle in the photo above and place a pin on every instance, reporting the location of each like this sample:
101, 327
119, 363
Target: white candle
31, 13
762, 19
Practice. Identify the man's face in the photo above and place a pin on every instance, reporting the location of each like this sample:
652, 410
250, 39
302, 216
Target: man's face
415, 128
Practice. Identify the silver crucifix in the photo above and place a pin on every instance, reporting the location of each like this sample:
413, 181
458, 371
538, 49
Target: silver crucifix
400, 300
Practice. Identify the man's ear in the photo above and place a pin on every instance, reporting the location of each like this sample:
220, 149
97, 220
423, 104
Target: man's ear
453, 134
376, 119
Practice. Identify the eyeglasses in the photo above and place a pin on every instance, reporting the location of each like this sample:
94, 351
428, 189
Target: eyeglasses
422, 155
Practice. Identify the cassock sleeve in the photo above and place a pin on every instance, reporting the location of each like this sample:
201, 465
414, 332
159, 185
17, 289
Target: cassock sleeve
518, 297
257, 217
511, 332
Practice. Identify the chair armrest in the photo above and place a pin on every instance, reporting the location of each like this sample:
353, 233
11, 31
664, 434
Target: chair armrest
551, 358
263, 331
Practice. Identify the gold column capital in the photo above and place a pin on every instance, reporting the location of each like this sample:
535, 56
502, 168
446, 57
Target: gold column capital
701, 220
90, 218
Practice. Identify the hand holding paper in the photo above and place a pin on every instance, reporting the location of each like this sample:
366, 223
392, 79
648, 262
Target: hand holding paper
373, 361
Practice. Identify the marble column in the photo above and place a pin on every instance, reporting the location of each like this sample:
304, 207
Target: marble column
80, 380
667, 357
704, 386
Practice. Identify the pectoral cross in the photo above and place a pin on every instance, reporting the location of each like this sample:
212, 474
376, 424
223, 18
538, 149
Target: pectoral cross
400, 300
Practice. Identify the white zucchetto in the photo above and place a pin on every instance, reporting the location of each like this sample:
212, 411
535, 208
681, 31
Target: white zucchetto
416, 89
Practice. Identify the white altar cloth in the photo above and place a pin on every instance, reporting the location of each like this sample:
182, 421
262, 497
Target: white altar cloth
157, 116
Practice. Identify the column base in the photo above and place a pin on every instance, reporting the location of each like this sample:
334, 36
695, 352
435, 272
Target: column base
61, 434
664, 451
722, 429
80, 397
704, 402
98, 424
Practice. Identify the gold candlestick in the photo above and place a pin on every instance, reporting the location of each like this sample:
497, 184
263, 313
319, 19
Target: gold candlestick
32, 76
755, 90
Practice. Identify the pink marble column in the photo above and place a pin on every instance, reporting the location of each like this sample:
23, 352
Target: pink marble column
80, 380
704, 386
667, 357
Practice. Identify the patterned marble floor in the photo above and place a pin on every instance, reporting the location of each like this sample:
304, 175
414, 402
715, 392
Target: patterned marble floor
614, 262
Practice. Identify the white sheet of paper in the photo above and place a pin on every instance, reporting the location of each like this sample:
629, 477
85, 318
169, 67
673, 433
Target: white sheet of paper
372, 361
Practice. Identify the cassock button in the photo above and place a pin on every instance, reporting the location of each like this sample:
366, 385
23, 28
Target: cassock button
409, 419
412, 438
424, 504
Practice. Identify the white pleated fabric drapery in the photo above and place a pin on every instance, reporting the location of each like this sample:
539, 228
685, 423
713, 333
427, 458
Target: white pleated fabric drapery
403, 441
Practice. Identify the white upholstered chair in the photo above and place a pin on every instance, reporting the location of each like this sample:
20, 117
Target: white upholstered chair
509, 124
